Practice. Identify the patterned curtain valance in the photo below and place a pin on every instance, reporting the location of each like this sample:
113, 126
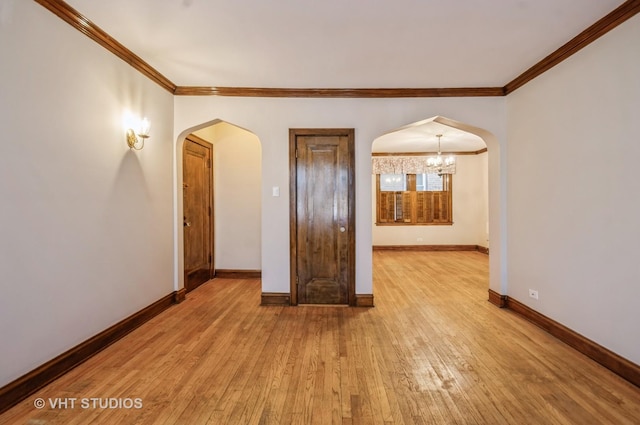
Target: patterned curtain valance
408, 165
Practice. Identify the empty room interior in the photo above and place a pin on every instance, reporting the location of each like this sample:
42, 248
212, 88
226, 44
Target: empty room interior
408, 212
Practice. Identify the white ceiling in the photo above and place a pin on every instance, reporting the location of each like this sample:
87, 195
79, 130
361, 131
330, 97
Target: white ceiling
343, 43
347, 44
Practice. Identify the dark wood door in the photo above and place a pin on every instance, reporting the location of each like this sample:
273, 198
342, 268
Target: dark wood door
322, 217
197, 206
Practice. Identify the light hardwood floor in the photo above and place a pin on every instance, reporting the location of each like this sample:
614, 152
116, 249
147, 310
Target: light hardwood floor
432, 351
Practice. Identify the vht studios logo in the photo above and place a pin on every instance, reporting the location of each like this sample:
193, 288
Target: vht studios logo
88, 403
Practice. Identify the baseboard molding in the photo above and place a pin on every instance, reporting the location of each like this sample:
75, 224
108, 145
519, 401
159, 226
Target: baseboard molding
430, 248
497, 299
179, 295
364, 300
483, 249
275, 299
605, 357
238, 274
18, 390
284, 299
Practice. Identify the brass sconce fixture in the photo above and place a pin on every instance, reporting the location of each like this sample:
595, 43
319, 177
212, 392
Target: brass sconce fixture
134, 139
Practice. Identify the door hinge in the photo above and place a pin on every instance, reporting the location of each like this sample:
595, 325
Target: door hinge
296, 152
209, 210
297, 280
210, 258
208, 162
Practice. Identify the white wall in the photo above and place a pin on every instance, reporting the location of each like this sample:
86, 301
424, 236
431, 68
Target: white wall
573, 191
470, 207
483, 237
237, 193
270, 119
85, 223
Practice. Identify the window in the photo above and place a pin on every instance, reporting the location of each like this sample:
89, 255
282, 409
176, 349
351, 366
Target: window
408, 199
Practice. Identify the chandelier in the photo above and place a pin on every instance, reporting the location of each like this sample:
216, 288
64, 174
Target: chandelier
441, 164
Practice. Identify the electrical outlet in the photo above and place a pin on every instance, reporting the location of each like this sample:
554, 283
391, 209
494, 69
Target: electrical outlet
533, 294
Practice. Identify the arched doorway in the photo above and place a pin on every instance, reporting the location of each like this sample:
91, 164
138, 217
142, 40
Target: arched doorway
236, 204
476, 147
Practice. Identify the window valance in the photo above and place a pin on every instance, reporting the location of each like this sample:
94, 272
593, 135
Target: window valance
408, 165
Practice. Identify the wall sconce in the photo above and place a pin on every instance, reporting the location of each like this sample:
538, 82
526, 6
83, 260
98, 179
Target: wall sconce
134, 139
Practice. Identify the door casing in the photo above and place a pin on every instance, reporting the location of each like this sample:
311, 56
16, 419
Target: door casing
293, 216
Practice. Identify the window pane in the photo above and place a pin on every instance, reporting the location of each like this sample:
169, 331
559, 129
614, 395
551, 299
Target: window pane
429, 183
435, 182
421, 182
393, 182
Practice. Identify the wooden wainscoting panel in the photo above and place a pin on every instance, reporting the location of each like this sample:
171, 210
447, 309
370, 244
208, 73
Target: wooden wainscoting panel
238, 274
21, 388
275, 299
607, 358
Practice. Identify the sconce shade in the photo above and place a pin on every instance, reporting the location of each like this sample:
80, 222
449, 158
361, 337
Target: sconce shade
134, 139
145, 126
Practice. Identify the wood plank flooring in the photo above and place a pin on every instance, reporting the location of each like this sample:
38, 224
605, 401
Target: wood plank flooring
432, 351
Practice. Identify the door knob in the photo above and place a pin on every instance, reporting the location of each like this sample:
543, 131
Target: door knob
342, 229
186, 223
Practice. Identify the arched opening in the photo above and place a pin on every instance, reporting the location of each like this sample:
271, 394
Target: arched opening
236, 207
477, 202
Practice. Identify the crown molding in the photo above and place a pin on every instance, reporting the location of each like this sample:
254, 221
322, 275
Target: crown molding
478, 152
94, 32
624, 12
339, 93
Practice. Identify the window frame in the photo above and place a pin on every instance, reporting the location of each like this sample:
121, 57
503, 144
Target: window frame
426, 208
